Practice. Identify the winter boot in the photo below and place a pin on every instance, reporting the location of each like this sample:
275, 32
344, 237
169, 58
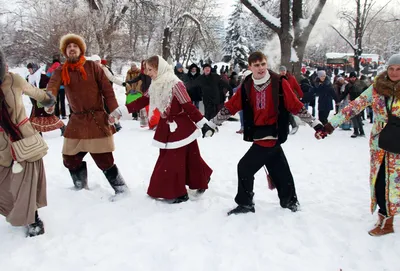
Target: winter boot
355, 134
201, 191
79, 176
242, 209
181, 199
383, 226
36, 228
294, 206
117, 126
116, 180
62, 130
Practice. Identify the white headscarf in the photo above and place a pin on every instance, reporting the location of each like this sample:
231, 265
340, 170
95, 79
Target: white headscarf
160, 90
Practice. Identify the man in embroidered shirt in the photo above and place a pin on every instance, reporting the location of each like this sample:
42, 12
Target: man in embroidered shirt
258, 97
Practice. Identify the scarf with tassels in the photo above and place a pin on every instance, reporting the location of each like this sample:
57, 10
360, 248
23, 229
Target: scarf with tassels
73, 66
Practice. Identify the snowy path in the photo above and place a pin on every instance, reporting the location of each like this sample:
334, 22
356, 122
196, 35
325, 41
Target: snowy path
84, 231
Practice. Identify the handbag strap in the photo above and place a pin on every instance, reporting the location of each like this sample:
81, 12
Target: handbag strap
389, 110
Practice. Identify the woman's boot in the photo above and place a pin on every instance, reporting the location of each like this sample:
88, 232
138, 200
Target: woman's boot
383, 226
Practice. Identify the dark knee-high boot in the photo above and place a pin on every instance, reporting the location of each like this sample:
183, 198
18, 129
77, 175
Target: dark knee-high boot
36, 228
79, 176
116, 180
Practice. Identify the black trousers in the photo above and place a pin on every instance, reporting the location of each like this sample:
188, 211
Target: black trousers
323, 116
60, 103
380, 189
275, 161
357, 125
210, 110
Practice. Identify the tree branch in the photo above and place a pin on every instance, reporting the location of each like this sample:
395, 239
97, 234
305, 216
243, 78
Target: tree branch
343, 37
269, 20
313, 19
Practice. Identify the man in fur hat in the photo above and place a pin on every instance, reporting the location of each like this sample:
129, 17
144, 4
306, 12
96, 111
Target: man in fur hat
90, 129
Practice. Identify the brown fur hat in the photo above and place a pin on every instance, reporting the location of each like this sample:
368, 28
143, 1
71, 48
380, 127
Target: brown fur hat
72, 38
2, 66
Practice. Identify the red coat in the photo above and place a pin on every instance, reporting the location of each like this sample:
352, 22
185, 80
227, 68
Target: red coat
294, 85
181, 111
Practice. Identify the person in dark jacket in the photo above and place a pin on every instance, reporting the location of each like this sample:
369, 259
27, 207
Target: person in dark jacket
324, 90
211, 85
195, 92
146, 80
354, 89
180, 73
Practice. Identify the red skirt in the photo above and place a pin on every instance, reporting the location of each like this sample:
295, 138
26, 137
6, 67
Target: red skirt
46, 124
176, 168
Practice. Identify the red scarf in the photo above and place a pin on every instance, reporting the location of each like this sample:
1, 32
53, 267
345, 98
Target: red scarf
73, 66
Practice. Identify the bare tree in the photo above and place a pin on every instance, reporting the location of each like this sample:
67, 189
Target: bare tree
358, 22
292, 27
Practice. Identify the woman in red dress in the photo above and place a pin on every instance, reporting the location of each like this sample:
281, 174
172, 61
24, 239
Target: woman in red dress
179, 162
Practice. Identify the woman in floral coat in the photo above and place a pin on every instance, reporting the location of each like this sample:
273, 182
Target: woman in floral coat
384, 95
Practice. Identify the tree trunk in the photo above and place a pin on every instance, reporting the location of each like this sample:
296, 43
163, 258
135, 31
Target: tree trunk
286, 49
166, 43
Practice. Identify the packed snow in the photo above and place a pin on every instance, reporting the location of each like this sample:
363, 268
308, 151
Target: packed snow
85, 231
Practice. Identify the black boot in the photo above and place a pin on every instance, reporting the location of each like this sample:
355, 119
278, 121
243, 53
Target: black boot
201, 191
117, 126
115, 179
62, 130
293, 206
242, 209
36, 228
181, 199
79, 176
355, 134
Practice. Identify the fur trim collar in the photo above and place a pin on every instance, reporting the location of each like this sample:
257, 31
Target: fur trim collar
385, 87
72, 38
2, 66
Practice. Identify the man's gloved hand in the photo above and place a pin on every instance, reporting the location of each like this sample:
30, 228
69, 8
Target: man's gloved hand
124, 84
114, 116
207, 130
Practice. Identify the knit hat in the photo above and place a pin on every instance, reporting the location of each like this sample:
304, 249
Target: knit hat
95, 58
394, 60
179, 65
282, 68
72, 38
2, 66
352, 74
206, 65
29, 66
321, 73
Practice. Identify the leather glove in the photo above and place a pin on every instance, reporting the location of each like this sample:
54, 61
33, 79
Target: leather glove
114, 116
207, 131
124, 84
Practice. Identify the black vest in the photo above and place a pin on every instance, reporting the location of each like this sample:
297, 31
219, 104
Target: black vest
280, 129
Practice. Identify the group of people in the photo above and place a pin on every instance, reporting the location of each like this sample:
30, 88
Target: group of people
267, 101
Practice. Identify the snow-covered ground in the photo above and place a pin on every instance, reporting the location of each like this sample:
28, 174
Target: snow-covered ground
85, 231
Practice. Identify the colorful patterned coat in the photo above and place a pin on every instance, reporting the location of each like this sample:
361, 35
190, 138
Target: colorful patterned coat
370, 97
